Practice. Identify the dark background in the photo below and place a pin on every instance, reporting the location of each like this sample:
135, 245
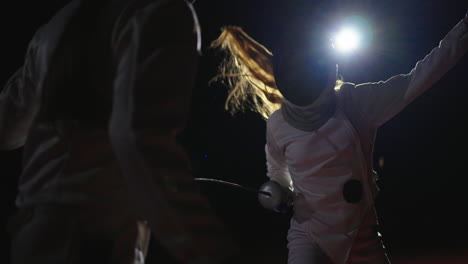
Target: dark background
422, 204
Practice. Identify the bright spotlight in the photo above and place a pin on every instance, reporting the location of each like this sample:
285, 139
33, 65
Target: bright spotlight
347, 40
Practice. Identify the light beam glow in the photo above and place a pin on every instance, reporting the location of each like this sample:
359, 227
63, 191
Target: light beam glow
347, 40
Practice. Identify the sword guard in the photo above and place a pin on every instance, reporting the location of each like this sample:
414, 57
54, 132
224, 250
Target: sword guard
280, 199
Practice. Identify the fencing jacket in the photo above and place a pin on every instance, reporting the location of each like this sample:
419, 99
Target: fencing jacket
103, 92
330, 168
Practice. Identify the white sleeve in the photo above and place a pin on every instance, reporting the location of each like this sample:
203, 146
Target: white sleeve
19, 104
380, 101
277, 168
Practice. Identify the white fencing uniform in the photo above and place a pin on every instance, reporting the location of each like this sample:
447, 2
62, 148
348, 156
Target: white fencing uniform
320, 165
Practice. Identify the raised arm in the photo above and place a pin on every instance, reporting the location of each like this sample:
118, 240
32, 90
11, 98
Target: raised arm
156, 56
380, 101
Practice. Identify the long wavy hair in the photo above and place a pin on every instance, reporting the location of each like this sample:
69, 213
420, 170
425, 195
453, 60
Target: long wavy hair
248, 72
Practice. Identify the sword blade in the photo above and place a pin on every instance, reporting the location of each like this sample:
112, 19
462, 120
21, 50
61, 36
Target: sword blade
233, 185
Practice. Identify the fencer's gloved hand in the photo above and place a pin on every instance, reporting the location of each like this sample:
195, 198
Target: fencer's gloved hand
280, 199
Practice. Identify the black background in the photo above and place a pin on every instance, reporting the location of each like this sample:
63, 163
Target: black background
422, 204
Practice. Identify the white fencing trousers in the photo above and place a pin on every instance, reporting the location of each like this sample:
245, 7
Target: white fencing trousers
367, 247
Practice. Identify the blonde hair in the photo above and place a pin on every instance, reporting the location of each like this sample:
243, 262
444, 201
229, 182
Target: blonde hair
248, 71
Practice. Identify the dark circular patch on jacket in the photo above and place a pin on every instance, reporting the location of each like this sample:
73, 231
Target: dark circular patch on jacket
352, 191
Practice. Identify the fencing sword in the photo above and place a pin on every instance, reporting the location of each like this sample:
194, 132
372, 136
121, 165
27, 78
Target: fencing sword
245, 188
270, 195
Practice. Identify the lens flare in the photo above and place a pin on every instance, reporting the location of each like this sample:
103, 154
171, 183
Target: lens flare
347, 40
